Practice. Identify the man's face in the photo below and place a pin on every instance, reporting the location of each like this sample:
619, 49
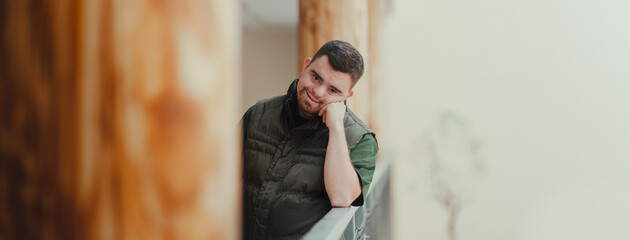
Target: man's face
319, 85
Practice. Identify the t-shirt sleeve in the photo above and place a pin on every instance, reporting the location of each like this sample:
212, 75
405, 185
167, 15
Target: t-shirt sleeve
363, 157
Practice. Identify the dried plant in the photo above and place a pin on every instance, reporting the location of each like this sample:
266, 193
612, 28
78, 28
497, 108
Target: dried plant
455, 166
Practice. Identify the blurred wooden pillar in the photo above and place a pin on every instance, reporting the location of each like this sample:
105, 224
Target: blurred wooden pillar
118, 120
375, 18
38, 119
347, 20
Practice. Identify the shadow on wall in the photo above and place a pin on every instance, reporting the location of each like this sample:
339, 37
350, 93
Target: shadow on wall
455, 166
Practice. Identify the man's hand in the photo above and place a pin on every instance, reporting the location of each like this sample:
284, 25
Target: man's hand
332, 115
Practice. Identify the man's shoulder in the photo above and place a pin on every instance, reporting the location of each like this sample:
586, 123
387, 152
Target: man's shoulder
356, 129
270, 102
352, 120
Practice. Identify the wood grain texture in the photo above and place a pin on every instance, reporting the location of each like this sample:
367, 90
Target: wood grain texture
37, 109
374, 71
118, 120
323, 20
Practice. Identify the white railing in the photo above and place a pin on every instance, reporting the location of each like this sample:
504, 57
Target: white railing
372, 220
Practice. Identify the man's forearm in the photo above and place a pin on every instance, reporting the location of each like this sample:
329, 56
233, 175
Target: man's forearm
340, 179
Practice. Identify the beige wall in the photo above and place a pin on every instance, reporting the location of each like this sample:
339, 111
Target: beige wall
544, 86
268, 63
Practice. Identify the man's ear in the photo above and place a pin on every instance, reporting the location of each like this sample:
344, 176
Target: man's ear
307, 61
350, 94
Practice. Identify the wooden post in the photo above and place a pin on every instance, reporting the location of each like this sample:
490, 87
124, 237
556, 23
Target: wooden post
38, 119
119, 120
375, 12
347, 20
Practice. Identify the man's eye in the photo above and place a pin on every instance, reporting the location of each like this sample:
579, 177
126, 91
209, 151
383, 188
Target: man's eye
316, 77
333, 90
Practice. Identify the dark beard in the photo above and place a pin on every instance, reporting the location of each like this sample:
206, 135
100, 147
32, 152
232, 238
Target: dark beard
303, 113
302, 106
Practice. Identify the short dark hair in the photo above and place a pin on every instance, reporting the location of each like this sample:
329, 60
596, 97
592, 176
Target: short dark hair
342, 57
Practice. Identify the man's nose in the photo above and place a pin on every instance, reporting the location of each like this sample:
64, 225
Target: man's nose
319, 92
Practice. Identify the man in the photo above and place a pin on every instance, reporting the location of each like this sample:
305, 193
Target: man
305, 152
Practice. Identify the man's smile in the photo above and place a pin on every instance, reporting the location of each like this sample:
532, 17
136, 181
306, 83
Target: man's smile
311, 98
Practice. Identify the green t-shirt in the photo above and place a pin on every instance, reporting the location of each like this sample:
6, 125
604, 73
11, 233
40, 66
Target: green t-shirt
363, 157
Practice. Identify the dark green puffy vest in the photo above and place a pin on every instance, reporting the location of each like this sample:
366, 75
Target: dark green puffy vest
283, 169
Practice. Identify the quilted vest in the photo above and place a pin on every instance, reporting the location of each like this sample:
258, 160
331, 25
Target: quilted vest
283, 168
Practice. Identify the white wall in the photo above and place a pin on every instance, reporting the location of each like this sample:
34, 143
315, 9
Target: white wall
545, 86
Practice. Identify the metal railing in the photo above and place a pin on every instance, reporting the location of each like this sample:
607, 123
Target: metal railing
370, 221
